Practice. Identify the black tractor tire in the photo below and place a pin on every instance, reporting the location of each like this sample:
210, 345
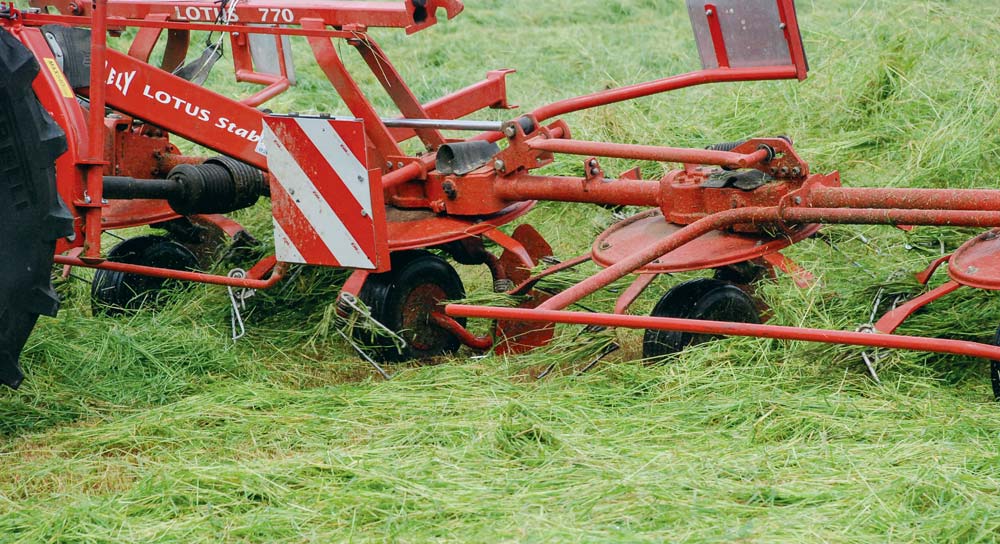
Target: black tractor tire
403, 299
32, 216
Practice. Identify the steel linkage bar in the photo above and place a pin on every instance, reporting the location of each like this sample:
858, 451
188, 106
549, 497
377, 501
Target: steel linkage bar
651, 153
442, 124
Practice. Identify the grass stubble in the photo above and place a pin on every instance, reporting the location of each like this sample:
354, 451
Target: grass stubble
156, 427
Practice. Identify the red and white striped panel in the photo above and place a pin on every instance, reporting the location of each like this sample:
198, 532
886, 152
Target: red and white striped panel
321, 199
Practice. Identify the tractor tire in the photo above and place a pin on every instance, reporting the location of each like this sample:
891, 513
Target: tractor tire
32, 216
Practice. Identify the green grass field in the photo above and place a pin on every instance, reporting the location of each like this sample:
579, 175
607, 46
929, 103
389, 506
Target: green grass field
157, 427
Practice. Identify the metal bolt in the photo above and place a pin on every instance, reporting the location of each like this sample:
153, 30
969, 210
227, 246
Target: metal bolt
364, 213
782, 26
510, 131
784, 170
499, 166
797, 200
388, 165
709, 12
595, 172
796, 171
593, 163
399, 164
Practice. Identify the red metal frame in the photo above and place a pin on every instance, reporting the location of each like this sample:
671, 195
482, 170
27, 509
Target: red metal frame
286, 12
891, 341
430, 208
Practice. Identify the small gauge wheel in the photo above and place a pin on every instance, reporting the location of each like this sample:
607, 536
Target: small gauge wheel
705, 299
403, 300
116, 293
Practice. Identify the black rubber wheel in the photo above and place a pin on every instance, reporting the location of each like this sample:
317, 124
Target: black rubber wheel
32, 217
403, 299
707, 299
116, 293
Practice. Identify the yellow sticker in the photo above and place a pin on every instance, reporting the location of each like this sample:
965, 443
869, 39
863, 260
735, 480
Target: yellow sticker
58, 76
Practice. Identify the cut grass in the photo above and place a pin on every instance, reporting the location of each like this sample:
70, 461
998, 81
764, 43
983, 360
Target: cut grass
158, 428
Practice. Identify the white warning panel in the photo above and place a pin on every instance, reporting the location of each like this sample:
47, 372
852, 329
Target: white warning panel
326, 209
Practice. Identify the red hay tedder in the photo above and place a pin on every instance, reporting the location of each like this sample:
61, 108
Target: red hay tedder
85, 139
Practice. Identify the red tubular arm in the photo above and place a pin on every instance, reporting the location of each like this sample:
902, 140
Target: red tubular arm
631, 92
891, 341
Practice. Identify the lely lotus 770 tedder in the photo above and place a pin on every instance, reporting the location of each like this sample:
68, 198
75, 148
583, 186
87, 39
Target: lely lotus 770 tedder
85, 141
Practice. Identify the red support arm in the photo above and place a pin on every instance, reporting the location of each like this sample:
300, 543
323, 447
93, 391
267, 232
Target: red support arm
778, 332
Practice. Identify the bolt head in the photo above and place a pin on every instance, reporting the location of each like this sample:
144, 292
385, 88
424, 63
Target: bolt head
499, 166
510, 131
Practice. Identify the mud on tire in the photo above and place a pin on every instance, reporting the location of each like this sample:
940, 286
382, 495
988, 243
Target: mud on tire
32, 217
